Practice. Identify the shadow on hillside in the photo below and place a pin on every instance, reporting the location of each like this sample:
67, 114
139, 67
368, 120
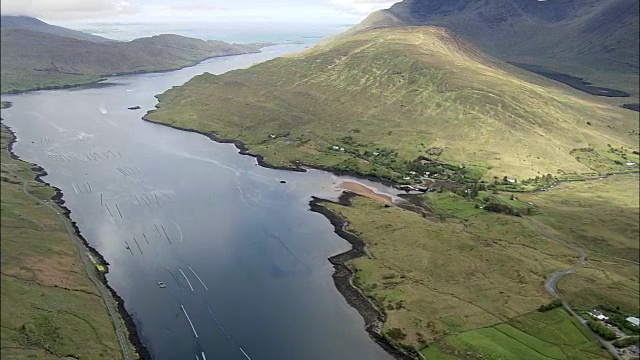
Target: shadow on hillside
574, 82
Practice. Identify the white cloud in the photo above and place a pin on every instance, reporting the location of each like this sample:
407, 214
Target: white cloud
149, 11
361, 7
67, 9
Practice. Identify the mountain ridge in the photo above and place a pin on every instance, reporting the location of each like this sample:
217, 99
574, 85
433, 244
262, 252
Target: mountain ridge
29, 23
35, 60
603, 33
592, 40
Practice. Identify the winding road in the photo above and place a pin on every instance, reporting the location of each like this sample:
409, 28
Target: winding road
551, 285
89, 268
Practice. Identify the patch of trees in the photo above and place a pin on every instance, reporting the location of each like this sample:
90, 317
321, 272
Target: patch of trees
622, 152
619, 319
625, 342
552, 305
6, 179
470, 190
437, 169
501, 208
544, 180
602, 330
396, 334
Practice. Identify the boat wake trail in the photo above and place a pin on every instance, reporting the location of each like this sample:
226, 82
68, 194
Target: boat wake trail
185, 277
286, 248
176, 279
218, 323
244, 353
190, 323
227, 334
178, 226
201, 282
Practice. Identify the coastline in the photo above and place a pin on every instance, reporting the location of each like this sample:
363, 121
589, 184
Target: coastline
343, 276
297, 166
106, 76
374, 318
133, 337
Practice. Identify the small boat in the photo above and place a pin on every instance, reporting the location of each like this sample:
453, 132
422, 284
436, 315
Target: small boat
161, 284
127, 247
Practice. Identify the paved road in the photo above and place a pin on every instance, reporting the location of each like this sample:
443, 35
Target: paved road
551, 284
89, 267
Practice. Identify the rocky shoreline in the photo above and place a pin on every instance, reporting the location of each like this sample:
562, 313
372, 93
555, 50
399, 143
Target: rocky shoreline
343, 276
40, 172
374, 318
297, 166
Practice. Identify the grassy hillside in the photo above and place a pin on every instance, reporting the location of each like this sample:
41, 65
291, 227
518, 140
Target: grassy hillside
468, 282
38, 60
50, 309
602, 217
435, 277
390, 96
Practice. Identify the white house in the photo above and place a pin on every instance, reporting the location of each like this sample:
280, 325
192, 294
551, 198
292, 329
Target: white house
634, 320
598, 315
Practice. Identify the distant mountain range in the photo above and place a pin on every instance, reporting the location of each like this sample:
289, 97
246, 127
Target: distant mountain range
598, 34
33, 24
36, 55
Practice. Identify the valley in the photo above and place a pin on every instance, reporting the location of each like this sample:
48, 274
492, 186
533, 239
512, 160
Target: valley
520, 173
480, 158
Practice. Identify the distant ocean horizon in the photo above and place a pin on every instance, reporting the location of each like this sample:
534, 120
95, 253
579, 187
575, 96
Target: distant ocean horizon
232, 32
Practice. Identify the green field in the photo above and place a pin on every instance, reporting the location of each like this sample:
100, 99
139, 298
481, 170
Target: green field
435, 277
552, 335
602, 217
460, 268
50, 309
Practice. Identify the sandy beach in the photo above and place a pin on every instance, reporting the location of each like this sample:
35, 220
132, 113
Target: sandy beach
362, 190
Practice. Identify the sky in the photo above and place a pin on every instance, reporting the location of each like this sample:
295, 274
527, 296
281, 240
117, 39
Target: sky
150, 11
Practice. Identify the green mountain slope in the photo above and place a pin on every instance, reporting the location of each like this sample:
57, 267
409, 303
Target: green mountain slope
33, 24
37, 60
390, 96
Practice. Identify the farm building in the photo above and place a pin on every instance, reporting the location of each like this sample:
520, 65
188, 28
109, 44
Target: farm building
598, 315
634, 320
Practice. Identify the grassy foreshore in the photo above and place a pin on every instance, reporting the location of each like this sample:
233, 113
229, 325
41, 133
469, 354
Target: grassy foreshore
460, 282
50, 308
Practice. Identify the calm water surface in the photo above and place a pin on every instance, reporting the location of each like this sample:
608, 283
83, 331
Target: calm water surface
240, 252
